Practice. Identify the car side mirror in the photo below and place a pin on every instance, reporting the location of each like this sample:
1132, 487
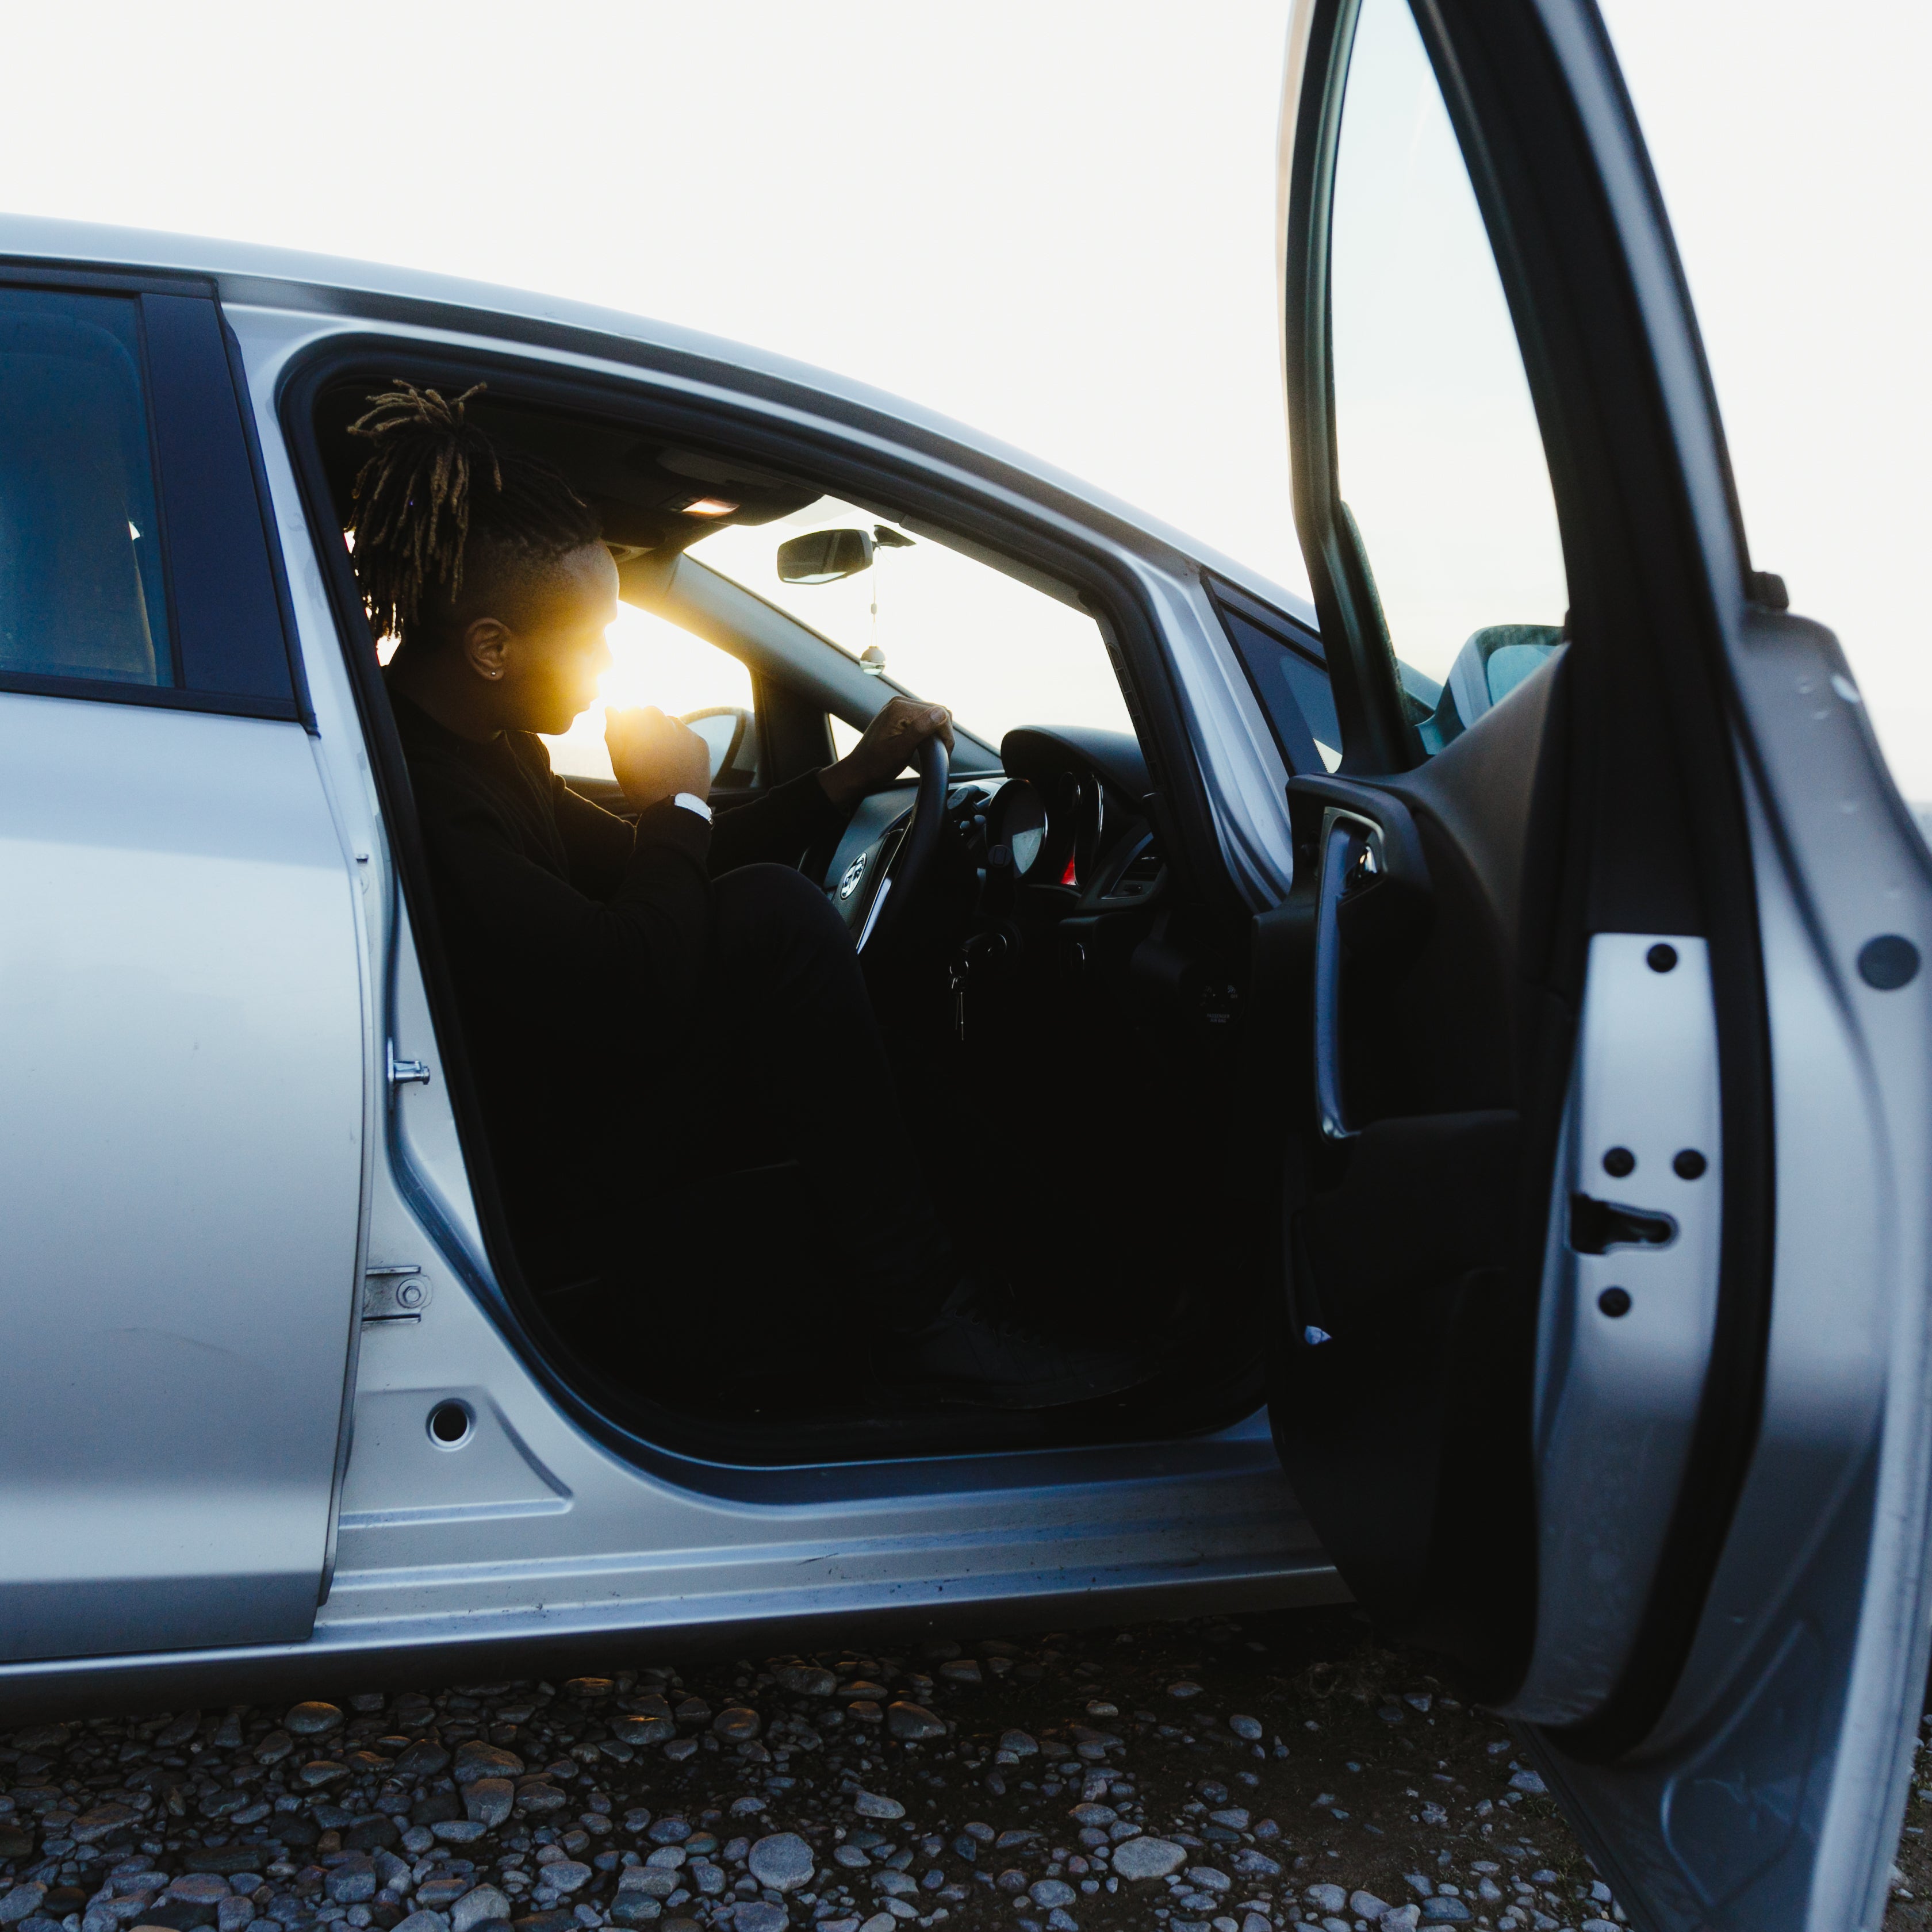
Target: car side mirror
824, 557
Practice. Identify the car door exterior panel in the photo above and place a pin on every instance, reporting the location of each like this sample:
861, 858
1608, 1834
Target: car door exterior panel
181, 1075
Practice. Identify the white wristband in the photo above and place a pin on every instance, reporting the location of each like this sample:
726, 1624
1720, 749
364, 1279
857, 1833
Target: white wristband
691, 802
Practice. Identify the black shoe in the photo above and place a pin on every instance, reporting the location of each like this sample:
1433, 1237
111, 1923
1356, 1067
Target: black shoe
977, 1353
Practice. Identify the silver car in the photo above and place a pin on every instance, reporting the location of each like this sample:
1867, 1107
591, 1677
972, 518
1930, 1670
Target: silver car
1472, 1030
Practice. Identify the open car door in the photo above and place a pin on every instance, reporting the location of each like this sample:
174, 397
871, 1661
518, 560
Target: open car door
1605, 1373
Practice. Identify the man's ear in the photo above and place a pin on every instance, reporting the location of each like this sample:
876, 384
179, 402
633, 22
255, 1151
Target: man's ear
485, 644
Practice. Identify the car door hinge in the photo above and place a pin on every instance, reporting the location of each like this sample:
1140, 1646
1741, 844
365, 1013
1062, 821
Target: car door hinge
402, 1073
398, 1292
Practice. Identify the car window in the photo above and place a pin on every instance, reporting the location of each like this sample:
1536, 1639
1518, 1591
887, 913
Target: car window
655, 662
1441, 462
82, 593
939, 623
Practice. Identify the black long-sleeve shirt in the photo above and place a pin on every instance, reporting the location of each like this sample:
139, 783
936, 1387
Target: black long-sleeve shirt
578, 945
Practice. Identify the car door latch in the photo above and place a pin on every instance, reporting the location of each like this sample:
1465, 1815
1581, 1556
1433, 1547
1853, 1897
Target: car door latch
1596, 1227
403, 1072
395, 1292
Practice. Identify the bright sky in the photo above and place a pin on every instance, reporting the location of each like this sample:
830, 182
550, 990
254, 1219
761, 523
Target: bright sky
1050, 219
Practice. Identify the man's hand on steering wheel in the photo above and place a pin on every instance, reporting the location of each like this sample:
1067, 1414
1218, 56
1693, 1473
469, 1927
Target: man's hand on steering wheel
886, 750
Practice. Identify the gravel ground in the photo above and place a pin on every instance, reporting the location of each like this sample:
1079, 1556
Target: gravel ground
1222, 1776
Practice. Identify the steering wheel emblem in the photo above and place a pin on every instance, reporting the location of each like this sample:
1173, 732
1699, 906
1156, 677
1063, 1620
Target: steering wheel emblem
849, 884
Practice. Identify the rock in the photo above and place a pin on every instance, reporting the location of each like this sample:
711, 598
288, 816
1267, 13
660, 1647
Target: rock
1092, 1814
677, 1750
232, 1914
566, 1876
321, 1771
869, 1804
438, 1893
1205, 1878
894, 1884
1441, 1911
737, 1723
311, 1720
1250, 1863
1367, 1905
1529, 1781
804, 1680
1256, 1922
434, 1806
1049, 1892
352, 1883
1326, 1897
1185, 1688
670, 1831
1401, 1918
534, 1794
961, 1670
561, 1920
880, 1921
103, 1822
782, 1861
475, 1759
370, 1835
756, 1915
1155, 1858
1058, 1920
490, 1801
474, 1908
640, 1731
1018, 1743
651, 1882
424, 1921
914, 1723
635, 1908
21, 1902
424, 1759
1249, 1728
459, 1830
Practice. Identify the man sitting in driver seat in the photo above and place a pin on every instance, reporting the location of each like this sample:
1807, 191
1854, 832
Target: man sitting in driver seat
592, 959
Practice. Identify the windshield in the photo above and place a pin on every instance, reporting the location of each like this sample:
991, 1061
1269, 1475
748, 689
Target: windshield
999, 651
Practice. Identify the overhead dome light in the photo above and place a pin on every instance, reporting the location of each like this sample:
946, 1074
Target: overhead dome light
708, 506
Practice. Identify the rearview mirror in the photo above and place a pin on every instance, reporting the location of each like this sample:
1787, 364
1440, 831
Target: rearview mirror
823, 557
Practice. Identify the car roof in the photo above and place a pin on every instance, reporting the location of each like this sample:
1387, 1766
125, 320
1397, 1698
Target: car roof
247, 273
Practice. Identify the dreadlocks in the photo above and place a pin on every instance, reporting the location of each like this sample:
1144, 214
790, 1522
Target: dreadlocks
437, 496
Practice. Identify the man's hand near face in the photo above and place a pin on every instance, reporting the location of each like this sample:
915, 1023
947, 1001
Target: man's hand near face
655, 758
886, 750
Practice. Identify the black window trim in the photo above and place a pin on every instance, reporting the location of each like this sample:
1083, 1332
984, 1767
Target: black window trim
16, 272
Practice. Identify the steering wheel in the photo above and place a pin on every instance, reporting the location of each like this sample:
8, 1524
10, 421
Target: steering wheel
875, 889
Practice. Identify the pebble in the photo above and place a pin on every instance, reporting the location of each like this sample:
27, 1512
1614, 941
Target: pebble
20, 1903
1249, 1728
913, 1723
1018, 1743
1155, 1858
737, 1724
808, 1681
1326, 1897
783, 1862
1441, 1911
870, 1804
475, 1759
475, 1908
567, 1875
757, 1915
1529, 1781
424, 1921
311, 1720
1047, 1892
490, 1801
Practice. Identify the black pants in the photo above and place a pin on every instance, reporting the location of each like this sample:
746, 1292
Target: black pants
783, 1063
